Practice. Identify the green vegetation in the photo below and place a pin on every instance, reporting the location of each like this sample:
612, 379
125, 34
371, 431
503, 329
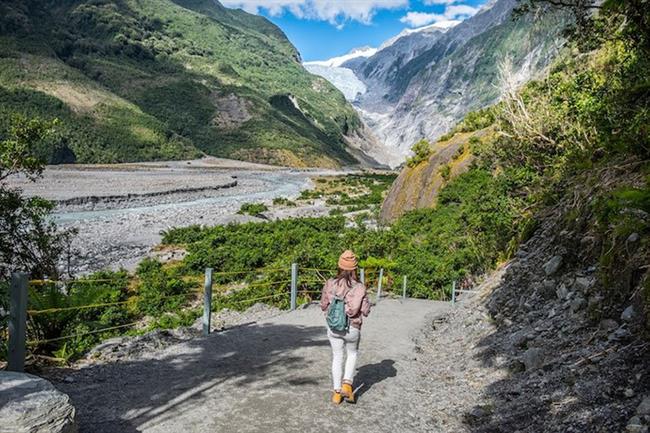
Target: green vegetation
252, 209
473, 121
166, 79
421, 152
473, 222
283, 201
356, 191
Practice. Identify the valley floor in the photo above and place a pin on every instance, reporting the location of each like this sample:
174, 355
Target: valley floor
120, 210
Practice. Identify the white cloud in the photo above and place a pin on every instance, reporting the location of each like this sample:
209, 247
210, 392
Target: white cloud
452, 12
419, 19
336, 12
440, 2
455, 11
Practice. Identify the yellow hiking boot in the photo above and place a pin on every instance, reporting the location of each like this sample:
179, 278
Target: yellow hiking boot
337, 398
348, 392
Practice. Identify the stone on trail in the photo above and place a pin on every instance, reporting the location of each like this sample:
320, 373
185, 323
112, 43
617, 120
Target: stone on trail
30, 404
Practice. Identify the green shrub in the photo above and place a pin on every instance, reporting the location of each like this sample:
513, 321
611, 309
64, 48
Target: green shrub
421, 152
283, 201
252, 208
445, 171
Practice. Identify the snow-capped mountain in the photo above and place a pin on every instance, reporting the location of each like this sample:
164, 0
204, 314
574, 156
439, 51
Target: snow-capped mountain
338, 61
421, 82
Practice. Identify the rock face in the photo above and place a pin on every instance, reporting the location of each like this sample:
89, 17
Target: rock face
30, 404
517, 358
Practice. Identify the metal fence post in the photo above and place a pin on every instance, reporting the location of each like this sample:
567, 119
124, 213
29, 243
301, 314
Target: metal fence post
17, 322
207, 301
404, 288
381, 277
363, 276
453, 292
294, 285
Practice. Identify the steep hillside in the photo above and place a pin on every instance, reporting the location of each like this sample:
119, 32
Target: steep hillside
420, 87
418, 185
152, 79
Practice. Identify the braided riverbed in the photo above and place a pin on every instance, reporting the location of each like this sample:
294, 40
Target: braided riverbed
120, 210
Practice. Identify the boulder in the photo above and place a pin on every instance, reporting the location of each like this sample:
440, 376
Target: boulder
553, 265
30, 404
533, 358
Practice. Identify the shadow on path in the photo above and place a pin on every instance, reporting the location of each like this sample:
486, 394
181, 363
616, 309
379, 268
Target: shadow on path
371, 374
134, 395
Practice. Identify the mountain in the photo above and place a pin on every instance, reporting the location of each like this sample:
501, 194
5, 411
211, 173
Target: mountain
166, 79
421, 82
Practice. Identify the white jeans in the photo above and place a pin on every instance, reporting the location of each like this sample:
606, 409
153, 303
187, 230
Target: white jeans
339, 342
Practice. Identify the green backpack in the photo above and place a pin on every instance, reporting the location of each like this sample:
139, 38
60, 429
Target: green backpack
337, 320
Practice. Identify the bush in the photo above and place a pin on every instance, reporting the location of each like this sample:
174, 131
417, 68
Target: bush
421, 152
252, 208
283, 201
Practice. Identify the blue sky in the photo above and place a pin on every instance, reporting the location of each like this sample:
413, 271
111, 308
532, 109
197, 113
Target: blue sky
321, 29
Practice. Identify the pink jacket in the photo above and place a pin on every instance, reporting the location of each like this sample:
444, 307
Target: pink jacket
357, 305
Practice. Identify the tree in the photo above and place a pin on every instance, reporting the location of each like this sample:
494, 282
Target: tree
29, 240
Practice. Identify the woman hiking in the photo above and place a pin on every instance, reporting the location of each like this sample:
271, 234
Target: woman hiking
345, 302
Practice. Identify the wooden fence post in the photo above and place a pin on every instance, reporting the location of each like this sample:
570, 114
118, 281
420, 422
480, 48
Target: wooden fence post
381, 277
404, 288
207, 301
453, 292
294, 285
17, 322
362, 275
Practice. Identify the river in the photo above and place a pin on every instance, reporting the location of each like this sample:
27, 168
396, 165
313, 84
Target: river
120, 211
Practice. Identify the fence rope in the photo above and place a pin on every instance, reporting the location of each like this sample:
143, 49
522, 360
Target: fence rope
80, 307
260, 298
83, 334
100, 280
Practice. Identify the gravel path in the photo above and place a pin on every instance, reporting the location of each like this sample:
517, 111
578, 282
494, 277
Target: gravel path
270, 376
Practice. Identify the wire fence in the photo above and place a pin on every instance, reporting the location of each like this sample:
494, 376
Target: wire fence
303, 286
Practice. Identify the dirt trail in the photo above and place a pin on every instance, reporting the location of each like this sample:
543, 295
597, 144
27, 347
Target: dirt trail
271, 376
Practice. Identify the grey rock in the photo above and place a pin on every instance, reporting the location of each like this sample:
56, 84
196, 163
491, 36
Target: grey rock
608, 325
30, 404
562, 292
578, 304
628, 314
533, 358
629, 393
634, 237
644, 406
621, 334
583, 284
553, 265
519, 338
